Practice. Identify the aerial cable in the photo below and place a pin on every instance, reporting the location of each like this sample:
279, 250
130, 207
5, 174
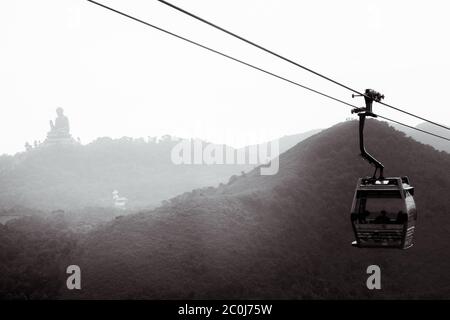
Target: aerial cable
411, 127
293, 62
250, 65
222, 54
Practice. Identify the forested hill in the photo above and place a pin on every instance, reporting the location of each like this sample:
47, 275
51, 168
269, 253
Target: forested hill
282, 236
72, 177
437, 143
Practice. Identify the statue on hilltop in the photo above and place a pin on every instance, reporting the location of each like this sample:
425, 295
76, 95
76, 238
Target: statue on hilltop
61, 125
59, 133
60, 129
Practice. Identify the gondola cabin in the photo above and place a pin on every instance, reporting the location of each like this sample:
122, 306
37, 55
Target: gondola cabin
383, 213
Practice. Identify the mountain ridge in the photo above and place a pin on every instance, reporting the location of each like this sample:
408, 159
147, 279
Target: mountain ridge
72, 177
435, 142
282, 236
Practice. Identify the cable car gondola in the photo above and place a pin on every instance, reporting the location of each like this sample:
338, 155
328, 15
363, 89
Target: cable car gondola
383, 213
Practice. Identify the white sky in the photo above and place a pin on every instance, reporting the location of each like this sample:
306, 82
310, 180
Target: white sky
115, 77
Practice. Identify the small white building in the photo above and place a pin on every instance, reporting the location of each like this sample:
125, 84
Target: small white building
119, 202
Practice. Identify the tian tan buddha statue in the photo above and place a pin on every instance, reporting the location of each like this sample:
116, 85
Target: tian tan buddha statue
60, 129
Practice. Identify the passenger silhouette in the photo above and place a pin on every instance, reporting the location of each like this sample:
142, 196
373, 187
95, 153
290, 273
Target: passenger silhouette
401, 217
363, 216
383, 218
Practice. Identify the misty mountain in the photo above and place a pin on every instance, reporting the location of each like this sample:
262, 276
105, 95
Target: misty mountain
284, 143
74, 176
435, 142
281, 236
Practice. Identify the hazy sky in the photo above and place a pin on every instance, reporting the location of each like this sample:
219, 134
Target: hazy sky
115, 77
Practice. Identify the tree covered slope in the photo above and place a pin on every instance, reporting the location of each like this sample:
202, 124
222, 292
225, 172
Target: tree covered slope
281, 236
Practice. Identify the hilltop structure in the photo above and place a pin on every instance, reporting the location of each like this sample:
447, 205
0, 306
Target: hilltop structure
119, 202
59, 130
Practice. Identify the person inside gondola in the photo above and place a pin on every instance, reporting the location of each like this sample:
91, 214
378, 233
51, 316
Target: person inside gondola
363, 216
383, 218
401, 217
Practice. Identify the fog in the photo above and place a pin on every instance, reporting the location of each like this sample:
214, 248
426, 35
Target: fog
115, 77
